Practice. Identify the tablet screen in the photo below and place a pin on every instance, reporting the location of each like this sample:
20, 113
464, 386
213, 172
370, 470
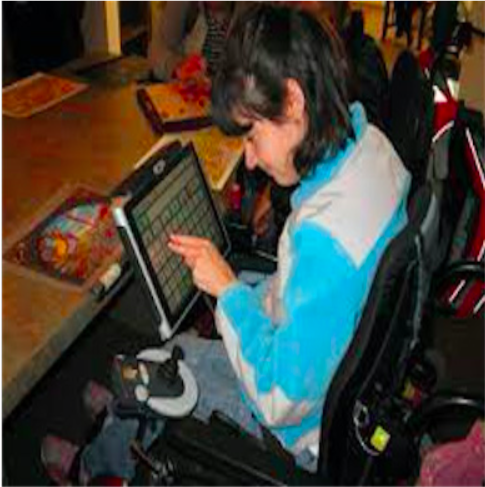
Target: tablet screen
178, 200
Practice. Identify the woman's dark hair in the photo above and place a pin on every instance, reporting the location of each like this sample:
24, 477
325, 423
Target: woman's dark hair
268, 45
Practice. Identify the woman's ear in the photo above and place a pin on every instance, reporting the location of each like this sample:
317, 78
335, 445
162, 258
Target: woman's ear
295, 100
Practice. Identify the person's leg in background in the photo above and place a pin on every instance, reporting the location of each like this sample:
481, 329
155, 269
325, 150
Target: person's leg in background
401, 17
444, 22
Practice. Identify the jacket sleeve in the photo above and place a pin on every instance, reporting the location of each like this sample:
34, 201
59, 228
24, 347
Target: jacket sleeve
285, 360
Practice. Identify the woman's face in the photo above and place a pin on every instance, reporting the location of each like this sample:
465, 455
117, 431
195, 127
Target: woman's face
272, 145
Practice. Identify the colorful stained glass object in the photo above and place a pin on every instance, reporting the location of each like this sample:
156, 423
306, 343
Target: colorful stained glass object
73, 242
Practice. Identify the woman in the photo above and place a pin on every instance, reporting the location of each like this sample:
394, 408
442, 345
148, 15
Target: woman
283, 86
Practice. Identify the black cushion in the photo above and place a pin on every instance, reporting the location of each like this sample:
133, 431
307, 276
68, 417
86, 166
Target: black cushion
411, 114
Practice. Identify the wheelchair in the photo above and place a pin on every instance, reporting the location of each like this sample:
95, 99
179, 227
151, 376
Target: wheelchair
384, 402
385, 399
456, 168
372, 428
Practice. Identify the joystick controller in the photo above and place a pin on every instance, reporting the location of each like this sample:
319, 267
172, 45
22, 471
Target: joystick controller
157, 379
168, 371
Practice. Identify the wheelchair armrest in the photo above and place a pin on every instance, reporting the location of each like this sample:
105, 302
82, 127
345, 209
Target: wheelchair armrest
240, 235
245, 254
453, 274
239, 456
253, 261
463, 269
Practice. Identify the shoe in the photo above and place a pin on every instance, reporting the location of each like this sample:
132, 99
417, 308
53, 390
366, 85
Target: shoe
96, 398
57, 456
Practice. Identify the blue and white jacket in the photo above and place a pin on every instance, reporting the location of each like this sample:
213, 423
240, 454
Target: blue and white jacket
286, 337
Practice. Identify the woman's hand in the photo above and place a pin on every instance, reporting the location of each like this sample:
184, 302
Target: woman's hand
210, 272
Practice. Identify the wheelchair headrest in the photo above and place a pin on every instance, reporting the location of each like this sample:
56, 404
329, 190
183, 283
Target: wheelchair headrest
411, 113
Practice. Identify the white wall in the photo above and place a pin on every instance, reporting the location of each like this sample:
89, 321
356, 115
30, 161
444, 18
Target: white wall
472, 83
101, 28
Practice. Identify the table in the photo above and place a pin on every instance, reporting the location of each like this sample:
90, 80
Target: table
92, 139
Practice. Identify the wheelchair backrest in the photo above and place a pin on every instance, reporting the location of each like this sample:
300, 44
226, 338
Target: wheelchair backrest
369, 81
365, 391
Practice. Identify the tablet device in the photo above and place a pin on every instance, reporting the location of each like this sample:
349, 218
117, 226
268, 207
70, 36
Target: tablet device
172, 197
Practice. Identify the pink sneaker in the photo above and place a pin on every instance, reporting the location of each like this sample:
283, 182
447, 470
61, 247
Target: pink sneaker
458, 462
57, 456
96, 398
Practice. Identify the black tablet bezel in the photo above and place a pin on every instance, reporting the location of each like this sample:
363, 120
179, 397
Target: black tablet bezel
173, 319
